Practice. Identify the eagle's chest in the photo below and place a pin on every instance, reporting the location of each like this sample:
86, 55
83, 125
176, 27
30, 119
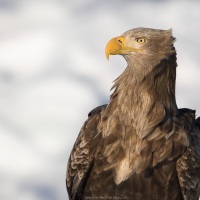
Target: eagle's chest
151, 184
123, 169
124, 154
134, 159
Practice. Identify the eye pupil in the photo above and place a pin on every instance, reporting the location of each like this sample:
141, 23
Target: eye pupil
141, 40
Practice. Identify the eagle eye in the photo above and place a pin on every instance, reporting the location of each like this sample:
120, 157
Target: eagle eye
141, 40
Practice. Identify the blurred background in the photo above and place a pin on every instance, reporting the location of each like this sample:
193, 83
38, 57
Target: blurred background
53, 71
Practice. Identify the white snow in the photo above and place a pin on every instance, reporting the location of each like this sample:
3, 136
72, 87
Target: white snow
53, 71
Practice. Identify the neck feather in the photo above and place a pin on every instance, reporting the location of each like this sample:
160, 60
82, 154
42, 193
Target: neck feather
145, 97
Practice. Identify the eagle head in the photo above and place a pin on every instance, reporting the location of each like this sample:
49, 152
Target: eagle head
142, 44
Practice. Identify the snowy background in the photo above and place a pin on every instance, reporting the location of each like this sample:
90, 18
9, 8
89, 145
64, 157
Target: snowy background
53, 71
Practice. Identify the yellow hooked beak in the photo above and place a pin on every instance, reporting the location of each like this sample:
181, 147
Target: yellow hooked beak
118, 45
114, 46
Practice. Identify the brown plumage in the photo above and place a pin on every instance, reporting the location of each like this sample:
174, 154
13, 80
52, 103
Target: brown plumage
139, 146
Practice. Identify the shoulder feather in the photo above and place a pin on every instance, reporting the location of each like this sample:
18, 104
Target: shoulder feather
80, 160
188, 166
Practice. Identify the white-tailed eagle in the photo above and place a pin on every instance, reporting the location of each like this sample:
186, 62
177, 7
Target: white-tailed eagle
140, 146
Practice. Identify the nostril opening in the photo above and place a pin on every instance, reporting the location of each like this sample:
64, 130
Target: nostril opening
119, 41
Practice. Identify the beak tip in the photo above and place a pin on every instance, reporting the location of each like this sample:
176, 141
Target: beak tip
114, 46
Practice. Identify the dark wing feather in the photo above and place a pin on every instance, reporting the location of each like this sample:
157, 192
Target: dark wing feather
188, 167
80, 160
97, 110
